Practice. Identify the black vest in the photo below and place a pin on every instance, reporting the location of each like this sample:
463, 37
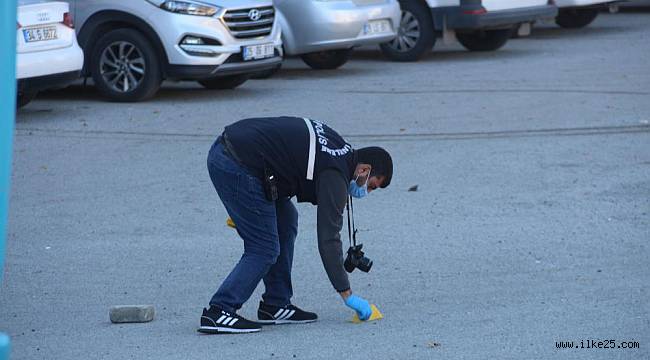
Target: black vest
295, 149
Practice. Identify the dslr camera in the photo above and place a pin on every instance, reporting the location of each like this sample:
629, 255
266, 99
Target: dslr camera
356, 259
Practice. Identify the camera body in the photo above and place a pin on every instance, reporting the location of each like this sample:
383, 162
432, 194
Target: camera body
357, 259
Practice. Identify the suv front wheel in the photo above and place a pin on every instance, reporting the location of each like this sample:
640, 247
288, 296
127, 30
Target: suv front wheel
124, 66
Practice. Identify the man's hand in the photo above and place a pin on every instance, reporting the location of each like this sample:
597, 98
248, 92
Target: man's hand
360, 305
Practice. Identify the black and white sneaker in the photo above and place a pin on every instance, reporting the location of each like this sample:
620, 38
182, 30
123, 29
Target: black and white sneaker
269, 315
217, 321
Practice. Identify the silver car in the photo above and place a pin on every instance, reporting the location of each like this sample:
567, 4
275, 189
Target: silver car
324, 32
130, 46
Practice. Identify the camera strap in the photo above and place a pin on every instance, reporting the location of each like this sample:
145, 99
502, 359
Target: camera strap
352, 230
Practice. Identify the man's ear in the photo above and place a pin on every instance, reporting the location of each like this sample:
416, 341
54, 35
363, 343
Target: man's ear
364, 170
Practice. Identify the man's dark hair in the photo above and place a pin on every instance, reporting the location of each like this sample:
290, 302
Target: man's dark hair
379, 159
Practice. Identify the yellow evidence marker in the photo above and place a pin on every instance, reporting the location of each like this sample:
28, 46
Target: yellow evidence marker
230, 223
375, 315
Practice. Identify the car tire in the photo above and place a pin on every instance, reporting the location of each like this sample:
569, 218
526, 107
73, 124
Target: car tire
575, 18
125, 67
415, 36
224, 82
484, 40
266, 73
327, 60
24, 98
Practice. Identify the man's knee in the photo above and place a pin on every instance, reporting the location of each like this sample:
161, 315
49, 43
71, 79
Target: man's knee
266, 257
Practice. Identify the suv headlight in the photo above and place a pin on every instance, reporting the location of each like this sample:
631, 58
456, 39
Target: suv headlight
187, 7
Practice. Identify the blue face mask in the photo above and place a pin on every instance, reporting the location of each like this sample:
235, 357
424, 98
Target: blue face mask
358, 191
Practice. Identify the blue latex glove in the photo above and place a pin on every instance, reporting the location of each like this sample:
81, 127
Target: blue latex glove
360, 305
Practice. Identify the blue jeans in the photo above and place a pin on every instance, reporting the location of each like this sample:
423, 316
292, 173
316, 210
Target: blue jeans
268, 228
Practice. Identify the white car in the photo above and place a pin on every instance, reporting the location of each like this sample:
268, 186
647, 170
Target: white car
479, 25
575, 14
47, 53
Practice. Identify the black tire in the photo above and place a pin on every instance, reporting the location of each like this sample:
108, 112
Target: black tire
327, 60
224, 82
484, 40
266, 73
140, 69
24, 98
575, 18
416, 35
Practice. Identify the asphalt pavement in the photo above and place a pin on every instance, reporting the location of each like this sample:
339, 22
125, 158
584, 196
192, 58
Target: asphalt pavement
530, 224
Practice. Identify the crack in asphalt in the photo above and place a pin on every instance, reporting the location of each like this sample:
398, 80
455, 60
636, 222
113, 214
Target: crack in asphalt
126, 135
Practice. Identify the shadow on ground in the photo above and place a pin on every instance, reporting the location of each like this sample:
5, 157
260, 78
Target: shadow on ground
556, 32
295, 73
170, 91
444, 55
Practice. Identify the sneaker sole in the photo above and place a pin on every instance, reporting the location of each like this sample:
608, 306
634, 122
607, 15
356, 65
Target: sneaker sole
281, 322
224, 330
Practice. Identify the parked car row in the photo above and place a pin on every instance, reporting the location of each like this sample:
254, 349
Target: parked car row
128, 47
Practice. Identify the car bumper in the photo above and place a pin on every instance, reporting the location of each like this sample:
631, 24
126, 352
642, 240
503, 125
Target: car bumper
310, 26
468, 17
581, 3
42, 63
52, 81
231, 67
174, 27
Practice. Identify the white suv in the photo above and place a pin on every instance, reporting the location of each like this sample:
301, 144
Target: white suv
47, 54
132, 45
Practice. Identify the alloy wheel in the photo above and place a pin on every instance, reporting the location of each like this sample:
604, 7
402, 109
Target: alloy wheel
408, 33
122, 66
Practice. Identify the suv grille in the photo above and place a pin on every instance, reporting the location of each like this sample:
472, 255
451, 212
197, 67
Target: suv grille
250, 23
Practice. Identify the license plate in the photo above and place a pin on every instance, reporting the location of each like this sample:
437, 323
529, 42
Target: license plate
256, 52
376, 27
40, 34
